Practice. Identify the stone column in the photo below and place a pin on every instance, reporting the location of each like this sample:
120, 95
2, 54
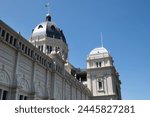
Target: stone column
33, 95
13, 89
70, 91
47, 84
52, 87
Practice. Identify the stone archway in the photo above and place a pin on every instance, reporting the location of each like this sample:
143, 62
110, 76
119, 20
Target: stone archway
4, 78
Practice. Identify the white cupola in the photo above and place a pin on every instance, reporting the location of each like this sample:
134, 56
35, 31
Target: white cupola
49, 38
98, 58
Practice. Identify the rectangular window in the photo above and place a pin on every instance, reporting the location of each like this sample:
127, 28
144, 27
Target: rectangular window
26, 49
25, 97
47, 49
100, 64
50, 65
37, 57
35, 54
50, 49
40, 59
0, 30
3, 33
7, 37
20, 97
14, 42
100, 85
23, 47
42, 48
5, 94
29, 51
20, 44
44, 62
39, 47
96, 64
0, 93
11, 39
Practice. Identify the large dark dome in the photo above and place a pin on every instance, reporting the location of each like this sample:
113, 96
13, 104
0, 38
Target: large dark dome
49, 29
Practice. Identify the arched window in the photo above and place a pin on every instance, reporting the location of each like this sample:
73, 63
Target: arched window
40, 26
53, 27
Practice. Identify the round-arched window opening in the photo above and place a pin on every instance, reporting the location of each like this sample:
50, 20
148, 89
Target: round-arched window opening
53, 28
40, 26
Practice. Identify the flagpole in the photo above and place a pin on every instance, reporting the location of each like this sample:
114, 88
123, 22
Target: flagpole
101, 40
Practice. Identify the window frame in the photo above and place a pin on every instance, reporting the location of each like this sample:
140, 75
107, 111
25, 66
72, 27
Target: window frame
1, 91
100, 89
3, 33
5, 95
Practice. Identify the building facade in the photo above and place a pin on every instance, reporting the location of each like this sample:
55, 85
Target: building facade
39, 68
102, 77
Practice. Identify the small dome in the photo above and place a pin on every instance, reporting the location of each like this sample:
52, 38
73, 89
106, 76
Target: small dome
49, 29
100, 50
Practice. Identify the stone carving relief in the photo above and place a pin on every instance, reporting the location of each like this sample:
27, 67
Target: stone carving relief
4, 77
22, 83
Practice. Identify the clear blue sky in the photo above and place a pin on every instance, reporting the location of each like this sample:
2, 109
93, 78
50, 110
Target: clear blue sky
125, 25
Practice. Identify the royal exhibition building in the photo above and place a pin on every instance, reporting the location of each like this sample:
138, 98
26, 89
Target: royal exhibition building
38, 68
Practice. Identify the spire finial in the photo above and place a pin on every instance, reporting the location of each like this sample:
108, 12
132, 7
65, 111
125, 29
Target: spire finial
48, 7
101, 40
48, 17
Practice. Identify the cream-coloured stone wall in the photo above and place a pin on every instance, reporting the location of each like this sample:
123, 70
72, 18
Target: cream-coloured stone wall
74, 93
58, 88
7, 58
68, 91
104, 74
31, 78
